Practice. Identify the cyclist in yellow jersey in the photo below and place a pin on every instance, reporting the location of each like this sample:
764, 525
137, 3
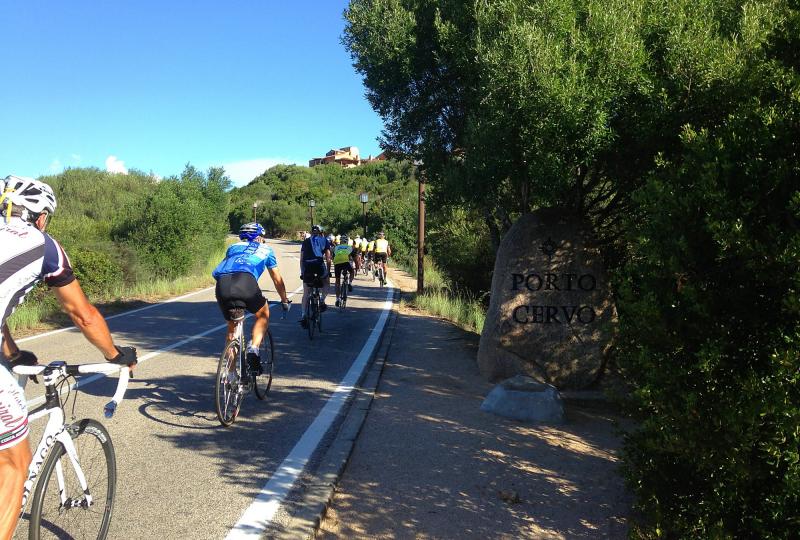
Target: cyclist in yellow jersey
337, 239
343, 263
382, 251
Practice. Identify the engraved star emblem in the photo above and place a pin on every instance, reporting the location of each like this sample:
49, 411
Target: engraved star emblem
548, 247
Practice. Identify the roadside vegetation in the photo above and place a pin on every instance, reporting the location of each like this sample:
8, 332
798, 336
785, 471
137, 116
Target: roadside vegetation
442, 298
133, 237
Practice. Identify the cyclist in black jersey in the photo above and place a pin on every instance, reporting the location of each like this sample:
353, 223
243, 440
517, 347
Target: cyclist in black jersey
30, 256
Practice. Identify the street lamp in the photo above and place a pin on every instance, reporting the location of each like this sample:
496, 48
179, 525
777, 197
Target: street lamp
311, 205
363, 197
255, 206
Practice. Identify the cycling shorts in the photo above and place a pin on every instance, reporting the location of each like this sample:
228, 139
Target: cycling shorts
314, 273
13, 411
343, 267
381, 257
238, 290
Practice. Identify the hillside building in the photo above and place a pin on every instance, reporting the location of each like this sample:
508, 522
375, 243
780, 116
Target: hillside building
346, 157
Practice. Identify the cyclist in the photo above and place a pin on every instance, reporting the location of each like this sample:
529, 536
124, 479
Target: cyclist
30, 256
237, 286
357, 251
315, 256
343, 264
371, 250
382, 252
364, 244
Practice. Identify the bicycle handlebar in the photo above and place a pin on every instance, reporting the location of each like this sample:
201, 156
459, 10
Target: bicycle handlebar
62, 369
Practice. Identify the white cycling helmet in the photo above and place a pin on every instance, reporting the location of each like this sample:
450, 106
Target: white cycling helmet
36, 196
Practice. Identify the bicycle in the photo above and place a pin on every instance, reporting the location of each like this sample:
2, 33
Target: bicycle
381, 274
314, 310
343, 287
82, 502
229, 390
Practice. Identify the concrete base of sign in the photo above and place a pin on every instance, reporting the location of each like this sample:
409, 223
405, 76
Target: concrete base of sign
523, 398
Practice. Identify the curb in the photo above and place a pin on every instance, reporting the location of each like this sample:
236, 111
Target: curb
319, 491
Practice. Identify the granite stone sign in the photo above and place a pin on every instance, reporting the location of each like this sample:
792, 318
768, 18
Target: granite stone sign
551, 315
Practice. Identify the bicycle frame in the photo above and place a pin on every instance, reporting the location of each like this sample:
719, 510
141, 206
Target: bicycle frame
56, 428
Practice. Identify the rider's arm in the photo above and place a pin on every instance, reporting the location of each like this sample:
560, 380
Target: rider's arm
9, 347
280, 286
86, 317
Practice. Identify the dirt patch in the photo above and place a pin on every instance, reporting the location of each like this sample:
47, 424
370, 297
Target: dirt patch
429, 464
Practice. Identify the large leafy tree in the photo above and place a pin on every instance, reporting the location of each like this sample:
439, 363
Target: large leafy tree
673, 127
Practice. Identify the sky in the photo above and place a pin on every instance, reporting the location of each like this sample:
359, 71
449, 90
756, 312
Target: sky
154, 85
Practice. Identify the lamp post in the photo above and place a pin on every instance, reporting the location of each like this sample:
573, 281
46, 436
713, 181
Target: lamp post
255, 207
364, 198
311, 205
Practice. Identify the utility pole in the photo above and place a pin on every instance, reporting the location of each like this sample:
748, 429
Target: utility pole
255, 206
421, 233
311, 205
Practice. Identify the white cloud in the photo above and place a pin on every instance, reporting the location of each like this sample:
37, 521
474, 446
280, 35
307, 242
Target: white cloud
242, 172
114, 165
56, 166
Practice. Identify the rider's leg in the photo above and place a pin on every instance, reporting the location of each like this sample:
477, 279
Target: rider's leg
14, 464
260, 326
306, 291
231, 330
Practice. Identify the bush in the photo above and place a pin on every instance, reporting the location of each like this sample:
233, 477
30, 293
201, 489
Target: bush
96, 271
710, 327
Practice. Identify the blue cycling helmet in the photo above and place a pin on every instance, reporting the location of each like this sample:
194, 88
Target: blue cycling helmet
251, 231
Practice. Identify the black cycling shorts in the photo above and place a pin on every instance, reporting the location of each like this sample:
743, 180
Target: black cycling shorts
239, 290
314, 273
381, 257
343, 267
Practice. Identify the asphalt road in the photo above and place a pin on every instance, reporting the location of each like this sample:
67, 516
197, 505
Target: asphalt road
181, 474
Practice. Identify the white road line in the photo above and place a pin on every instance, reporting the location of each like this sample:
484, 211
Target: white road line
261, 512
131, 312
91, 378
125, 313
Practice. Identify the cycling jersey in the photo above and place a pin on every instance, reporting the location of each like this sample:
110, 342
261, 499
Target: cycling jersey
364, 244
29, 256
342, 254
244, 256
381, 245
371, 245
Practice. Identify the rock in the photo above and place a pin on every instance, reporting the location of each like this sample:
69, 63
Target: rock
522, 398
551, 314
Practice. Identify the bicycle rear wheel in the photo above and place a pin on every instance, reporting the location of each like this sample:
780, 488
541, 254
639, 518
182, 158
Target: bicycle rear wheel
262, 383
311, 315
226, 388
67, 514
318, 301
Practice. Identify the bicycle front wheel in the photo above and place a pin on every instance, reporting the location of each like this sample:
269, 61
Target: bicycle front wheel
226, 388
67, 511
263, 382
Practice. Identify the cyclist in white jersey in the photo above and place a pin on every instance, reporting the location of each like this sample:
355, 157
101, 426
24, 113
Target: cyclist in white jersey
29, 256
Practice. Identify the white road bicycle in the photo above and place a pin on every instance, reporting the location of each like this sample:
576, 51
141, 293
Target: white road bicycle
74, 463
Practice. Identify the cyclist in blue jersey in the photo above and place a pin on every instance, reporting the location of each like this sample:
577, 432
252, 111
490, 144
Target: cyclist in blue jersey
315, 259
237, 285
